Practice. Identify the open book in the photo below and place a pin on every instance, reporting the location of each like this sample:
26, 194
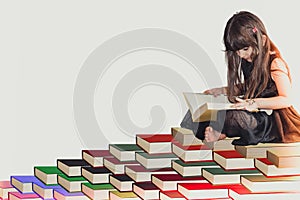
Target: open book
204, 107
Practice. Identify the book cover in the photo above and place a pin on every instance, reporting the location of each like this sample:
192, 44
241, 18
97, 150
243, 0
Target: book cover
219, 176
95, 157
71, 167
45, 191
47, 174
241, 192
124, 152
24, 183
116, 166
62, 194
185, 136
261, 183
285, 156
232, 159
5, 188
225, 144
19, 195
121, 181
97, 191
192, 153
170, 181
151, 161
192, 168
96, 175
204, 190
140, 174
117, 195
146, 190
204, 107
71, 184
172, 194
260, 150
155, 143
269, 169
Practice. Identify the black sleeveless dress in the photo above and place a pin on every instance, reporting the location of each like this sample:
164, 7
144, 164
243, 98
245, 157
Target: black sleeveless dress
282, 125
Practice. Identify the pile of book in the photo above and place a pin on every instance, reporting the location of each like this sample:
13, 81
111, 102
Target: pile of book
166, 166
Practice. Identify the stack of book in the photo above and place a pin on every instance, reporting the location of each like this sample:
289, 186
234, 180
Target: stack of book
165, 166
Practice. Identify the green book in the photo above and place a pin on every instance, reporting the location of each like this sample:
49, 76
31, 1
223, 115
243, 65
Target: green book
71, 184
124, 152
103, 186
219, 176
47, 174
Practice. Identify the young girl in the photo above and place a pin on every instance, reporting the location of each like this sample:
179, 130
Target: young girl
258, 78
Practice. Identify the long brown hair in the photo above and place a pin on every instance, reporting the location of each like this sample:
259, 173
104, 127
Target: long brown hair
245, 29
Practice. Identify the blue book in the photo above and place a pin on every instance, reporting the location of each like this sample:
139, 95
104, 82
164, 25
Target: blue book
62, 194
45, 191
24, 184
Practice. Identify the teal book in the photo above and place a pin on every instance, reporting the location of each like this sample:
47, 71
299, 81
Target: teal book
192, 168
219, 176
124, 152
47, 174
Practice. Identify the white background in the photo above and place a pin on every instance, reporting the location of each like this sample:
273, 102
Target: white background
43, 45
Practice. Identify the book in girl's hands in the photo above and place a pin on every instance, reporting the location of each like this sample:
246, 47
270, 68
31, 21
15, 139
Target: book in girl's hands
204, 107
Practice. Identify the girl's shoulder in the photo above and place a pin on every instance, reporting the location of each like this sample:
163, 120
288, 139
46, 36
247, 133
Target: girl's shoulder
278, 64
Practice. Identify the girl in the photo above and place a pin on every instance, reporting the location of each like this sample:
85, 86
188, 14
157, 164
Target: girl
258, 78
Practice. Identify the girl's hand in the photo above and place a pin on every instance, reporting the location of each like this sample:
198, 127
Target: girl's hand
215, 91
248, 104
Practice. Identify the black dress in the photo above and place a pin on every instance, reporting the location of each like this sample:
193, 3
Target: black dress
252, 127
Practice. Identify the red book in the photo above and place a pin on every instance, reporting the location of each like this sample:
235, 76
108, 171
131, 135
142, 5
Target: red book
232, 159
173, 194
95, 157
170, 181
204, 190
155, 143
241, 192
140, 174
192, 153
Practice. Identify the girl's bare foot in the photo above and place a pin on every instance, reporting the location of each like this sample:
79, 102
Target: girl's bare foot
212, 135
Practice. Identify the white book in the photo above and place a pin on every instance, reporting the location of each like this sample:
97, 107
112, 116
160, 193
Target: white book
204, 107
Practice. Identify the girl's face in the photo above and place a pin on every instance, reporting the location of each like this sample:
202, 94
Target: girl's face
245, 53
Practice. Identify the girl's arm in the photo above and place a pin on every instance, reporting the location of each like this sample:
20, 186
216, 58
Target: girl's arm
216, 91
